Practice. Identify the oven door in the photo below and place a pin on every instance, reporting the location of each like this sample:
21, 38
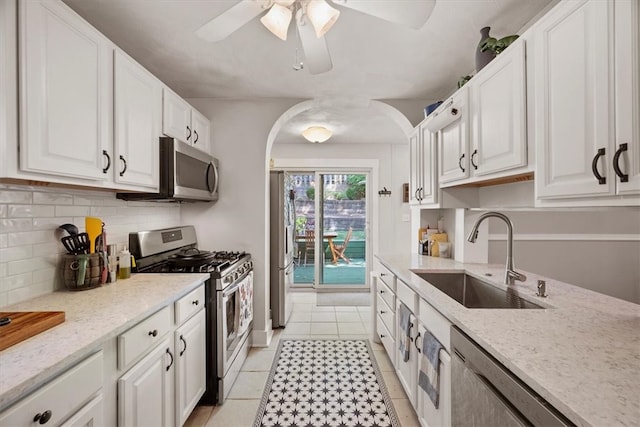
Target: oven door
231, 331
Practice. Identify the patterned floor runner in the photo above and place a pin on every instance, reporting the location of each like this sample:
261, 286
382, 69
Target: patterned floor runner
325, 383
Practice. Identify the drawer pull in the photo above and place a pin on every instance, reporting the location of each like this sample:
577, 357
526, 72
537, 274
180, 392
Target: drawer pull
381, 291
43, 418
383, 274
382, 312
382, 335
153, 333
170, 363
185, 345
196, 302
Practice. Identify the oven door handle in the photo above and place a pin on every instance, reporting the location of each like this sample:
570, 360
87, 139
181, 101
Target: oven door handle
227, 292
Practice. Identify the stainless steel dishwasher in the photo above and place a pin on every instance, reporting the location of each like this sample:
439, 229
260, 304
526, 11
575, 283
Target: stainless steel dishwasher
485, 393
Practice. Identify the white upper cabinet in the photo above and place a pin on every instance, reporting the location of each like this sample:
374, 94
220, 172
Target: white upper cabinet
498, 114
626, 160
137, 123
451, 124
65, 83
586, 103
183, 122
201, 131
423, 182
176, 116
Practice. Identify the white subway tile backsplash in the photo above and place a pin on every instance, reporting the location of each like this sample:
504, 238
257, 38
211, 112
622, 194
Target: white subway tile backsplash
9, 196
16, 253
32, 291
50, 223
28, 237
30, 211
30, 245
72, 210
16, 281
16, 224
47, 198
101, 211
27, 265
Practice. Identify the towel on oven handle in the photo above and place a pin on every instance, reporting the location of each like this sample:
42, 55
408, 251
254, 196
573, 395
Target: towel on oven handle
246, 303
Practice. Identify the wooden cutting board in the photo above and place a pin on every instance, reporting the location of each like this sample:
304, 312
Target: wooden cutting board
25, 324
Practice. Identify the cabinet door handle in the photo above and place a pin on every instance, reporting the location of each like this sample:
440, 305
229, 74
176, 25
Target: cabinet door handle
382, 335
124, 163
460, 162
382, 312
415, 343
415, 194
106, 154
171, 362
189, 133
616, 163
43, 418
185, 345
196, 302
195, 132
421, 193
153, 333
594, 167
475, 153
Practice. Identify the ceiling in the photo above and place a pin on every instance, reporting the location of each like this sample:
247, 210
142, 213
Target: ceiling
372, 59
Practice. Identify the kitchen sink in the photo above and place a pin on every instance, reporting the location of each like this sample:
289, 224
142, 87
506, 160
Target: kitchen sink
475, 293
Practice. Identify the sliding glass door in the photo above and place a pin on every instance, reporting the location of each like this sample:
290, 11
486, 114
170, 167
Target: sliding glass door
331, 229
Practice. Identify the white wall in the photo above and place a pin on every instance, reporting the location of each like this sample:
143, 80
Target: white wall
238, 220
29, 240
393, 232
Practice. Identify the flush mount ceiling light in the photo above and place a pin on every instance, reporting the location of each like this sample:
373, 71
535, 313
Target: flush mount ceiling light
313, 19
316, 134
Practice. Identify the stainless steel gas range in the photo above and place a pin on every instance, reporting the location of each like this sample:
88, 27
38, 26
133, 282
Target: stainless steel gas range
229, 297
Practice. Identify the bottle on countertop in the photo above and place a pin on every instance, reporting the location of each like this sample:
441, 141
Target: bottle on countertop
125, 264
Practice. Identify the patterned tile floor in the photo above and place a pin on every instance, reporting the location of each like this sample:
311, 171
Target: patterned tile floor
307, 321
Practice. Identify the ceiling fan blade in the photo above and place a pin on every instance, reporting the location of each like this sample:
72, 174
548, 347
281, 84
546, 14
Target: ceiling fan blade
229, 21
411, 13
316, 52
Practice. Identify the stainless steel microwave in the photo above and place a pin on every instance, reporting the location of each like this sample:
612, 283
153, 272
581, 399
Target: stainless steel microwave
186, 175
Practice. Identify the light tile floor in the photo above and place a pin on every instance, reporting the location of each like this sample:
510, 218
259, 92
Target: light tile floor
307, 321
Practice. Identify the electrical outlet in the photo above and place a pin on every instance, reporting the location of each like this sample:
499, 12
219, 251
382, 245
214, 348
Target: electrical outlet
406, 218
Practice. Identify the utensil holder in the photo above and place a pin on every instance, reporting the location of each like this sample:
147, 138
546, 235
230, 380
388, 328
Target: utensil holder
71, 269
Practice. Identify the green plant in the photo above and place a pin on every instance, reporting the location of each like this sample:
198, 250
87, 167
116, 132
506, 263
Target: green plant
357, 187
301, 222
311, 193
497, 45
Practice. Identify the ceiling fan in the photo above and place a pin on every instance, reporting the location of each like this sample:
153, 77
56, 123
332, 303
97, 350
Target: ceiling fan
313, 19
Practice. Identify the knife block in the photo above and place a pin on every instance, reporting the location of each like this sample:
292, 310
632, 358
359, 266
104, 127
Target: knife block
69, 267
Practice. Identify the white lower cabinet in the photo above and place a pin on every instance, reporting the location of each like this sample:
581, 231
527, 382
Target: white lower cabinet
424, 317
91, 414
429, 319
190, 345
146, 391
164, 386
62, 399
428, 414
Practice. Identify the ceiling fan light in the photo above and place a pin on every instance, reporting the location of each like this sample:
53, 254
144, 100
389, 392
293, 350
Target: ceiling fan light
277, 20
322, 16
316, 134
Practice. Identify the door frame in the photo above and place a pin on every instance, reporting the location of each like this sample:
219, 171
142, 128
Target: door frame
371, 168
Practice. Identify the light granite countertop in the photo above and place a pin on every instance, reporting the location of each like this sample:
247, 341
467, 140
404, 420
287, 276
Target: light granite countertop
91, 318
581, 353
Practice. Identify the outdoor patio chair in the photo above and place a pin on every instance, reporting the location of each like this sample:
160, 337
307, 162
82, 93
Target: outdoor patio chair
340, 249
309, 244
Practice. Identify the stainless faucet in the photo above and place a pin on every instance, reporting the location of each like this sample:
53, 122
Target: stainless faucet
510, 275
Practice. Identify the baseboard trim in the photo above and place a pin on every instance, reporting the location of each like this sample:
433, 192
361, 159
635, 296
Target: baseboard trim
261, 338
